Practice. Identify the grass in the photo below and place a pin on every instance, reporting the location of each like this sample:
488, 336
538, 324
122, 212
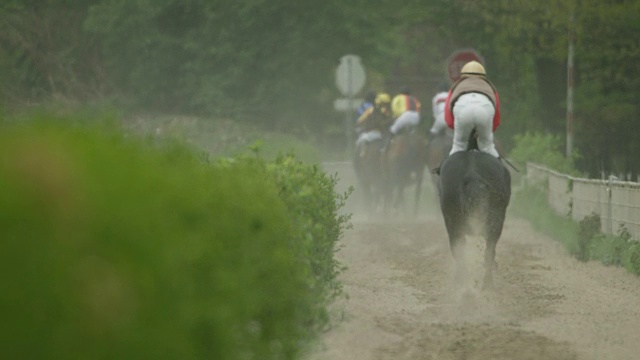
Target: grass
584, 239
224, 137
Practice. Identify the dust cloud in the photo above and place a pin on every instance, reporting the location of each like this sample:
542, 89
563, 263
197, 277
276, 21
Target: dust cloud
405, 299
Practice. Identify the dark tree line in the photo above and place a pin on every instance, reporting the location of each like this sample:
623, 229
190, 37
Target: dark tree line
272, 62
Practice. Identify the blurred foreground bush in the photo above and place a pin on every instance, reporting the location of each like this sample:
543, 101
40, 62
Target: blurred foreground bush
313, 208
115, 248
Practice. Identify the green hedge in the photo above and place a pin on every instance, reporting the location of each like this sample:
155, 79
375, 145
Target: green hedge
313, 208
117, 248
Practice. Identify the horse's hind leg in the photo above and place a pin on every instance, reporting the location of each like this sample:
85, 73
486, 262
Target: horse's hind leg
489, 263
458, 246
418, 193
457, 243
492, 234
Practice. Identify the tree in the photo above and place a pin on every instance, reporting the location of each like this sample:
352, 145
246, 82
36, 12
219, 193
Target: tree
46, 51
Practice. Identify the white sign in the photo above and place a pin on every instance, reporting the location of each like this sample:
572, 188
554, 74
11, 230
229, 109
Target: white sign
350, 76
347, 104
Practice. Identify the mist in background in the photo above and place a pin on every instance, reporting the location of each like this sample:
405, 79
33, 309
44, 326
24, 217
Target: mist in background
271, 64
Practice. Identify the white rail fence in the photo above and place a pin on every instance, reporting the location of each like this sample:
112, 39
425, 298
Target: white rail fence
617, 202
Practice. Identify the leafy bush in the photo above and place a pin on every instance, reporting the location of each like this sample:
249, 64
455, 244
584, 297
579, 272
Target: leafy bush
313, 208
124, 249
632, 261
542, 149
589, 229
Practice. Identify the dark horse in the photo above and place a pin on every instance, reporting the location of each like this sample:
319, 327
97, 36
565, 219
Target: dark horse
404, 163
474, 186
368, 167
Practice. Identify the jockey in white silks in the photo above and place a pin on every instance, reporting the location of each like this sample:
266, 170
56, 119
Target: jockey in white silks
437, 105
473, 102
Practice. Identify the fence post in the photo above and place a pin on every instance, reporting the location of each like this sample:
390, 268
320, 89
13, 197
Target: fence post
609, 210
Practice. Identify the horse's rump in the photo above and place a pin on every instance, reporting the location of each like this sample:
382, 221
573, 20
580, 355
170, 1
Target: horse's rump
473, 182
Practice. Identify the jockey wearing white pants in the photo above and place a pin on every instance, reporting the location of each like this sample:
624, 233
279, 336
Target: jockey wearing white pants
473, 102
406, 119
437, 105
473, 110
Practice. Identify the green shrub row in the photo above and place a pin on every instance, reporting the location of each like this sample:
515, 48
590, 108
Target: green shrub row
618, 250
117, 248
543, 149
313, 209
584, 239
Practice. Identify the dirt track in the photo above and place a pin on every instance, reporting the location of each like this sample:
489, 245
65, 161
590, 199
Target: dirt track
403, 302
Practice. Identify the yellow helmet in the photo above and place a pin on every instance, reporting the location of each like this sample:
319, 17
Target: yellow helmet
473, 68
383, 98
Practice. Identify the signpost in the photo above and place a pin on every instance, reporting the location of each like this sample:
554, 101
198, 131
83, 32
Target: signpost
350, 79
457, 60
347, 104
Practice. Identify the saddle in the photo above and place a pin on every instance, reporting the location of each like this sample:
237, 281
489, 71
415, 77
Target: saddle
472, 145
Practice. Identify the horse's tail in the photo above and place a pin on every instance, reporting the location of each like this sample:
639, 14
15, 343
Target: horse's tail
474, 192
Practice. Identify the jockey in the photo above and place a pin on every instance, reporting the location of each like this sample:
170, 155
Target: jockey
368, 103
437, 105
374, 120
406, 111
472, 103
369, 100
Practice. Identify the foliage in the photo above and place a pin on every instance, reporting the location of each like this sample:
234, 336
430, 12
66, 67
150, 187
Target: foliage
263, 61
609, 82
313, 207
120, 248
618, 250
543, 150
589, 229
271, 62
46, 52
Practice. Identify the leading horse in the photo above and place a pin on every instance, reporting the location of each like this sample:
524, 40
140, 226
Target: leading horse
474, 186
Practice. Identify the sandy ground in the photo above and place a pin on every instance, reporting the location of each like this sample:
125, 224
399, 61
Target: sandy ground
403, 303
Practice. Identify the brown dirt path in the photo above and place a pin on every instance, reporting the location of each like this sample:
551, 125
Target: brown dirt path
404, 304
